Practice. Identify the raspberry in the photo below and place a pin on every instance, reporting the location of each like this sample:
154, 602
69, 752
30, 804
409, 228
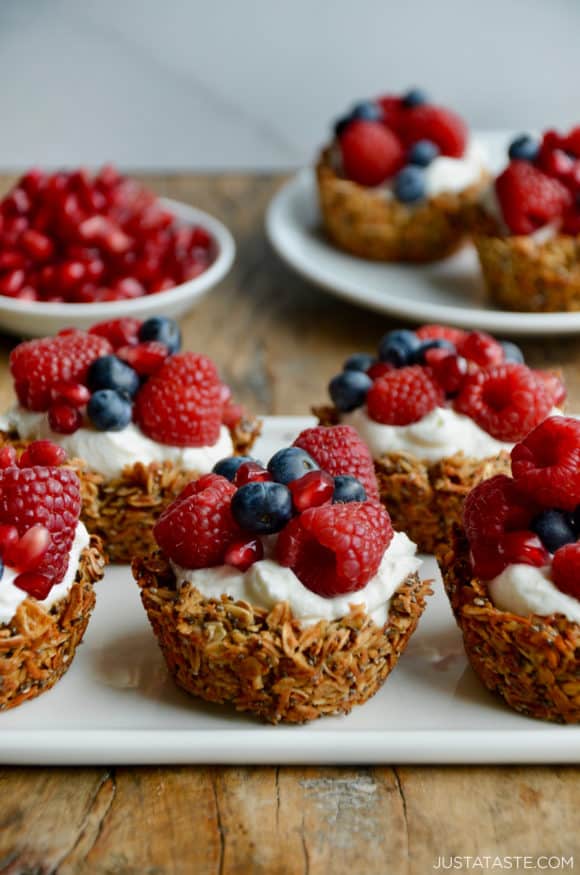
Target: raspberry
553, 385
181, 405
481, 348
392, 109
546, 464
339, 450
119, 332
49, 496
528, 198
371, 153
197, 528
39, 365
7, 456
566, 569
404, 396
449, 370
494, 507
441, 126
441, 332
506, 401
337, 548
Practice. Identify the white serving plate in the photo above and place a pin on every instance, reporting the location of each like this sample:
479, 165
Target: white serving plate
41, 318
450, 291
117, 704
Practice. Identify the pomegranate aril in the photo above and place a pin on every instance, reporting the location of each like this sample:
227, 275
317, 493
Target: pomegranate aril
119, 332
450, 371
42, 452
243, 554
27, 293
7, 457
8, 539
74, 394
36, 585
312, 490
63, 418
379, 369
26, 554
128, 287
12, 282
145, 358
11, 259
486, 563
70, 273
37, 245
523, 547
250, 472
17, 201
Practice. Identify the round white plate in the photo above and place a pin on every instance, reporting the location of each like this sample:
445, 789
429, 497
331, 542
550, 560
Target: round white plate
450, 292
39, 318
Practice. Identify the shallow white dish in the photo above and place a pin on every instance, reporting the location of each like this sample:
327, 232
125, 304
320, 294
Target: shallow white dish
451, 291
117, 704
38, 318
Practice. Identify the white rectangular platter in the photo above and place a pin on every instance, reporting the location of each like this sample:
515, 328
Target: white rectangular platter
117, 705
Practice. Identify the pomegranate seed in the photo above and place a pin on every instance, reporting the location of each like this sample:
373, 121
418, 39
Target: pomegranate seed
450, 370
557, 163
129, 287
63, 418
17, 201
32, 181
161, 285
36, 585
311, 490
37, 245
243, 554
12, 282
10, 260
7, 457
201, 237
250, 472
74, 394
146, 358
26, 554
8, 539
27, 293
42, 452
232, 414
523, 547
119, 332
70, 273
379, 369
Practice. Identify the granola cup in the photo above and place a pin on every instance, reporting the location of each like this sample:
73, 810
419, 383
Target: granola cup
531, 662
123, 510
38, 645
363, 222
264, 661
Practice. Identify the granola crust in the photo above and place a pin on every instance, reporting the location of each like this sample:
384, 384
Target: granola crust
37, 646
264, 661
362, 221
532, 662
122, 511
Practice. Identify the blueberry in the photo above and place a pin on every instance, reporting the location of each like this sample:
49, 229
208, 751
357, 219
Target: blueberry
436, 343
524, 148
341, 125
262, 508
414, 97
349, 390
554, 528
409, 185
229, 466
366, 111
291, 463
422, 153
1, 567
164, 330
513, 353
109, 410
346, 489
358, 361
399, 347
109, 372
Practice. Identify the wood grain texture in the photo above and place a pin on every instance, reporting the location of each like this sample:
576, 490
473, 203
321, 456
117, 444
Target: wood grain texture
277, 341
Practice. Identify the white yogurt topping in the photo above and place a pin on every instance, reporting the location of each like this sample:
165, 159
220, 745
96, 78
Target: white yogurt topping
107, 452
446, 174
440, 434
11, 596
266, 583
525, 589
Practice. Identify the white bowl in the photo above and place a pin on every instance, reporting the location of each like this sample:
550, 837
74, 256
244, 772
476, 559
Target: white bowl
41, 318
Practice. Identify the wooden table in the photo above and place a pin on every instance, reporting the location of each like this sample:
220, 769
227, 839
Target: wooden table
277, 341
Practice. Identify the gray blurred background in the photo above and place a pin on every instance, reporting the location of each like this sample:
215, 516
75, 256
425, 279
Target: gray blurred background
204, 84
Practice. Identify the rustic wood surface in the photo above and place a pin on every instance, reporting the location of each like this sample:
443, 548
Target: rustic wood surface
277, 341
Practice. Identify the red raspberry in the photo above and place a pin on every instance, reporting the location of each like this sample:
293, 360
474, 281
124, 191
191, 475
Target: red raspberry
38, 365
119, 332
404, 396
371, 153
506, 401
441, 332
546, 464
449, 370
232, 414
392, 108
566, 569
337, 548
572, 142
7, 456
442, 126
528, 198
339, 450
379, 369
553, 385
481, 348
181, 405
494, 507
49, 496
197, 528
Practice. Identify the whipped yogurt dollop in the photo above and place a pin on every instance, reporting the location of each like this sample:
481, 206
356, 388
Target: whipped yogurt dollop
440, 434
525, 589
108, 452
11, 596
446, 174
266, 583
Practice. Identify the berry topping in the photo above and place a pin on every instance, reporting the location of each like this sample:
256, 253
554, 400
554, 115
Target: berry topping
349, 390
228, 467
403, 396
242, 554
566, 569
63, 418
28, 551
340, 451
39, 365
422, 153
481, 348
448, 369
445, 332
506, 401
109, 372
73, 394
392, 111
524, 548
42, 453
553, 386
399, 347
414, 97
554, 528
163, 330
409, 184
119, 332
529, 198
493, 507
359, 361
146, 358
291, 463
371, 153
546, 464
262, 508
312, 490
524, 148
337, 548
365, 111
197, 528
427, 345
7, 456
109, 410
440, 126
181, 405
249, 472
347, 489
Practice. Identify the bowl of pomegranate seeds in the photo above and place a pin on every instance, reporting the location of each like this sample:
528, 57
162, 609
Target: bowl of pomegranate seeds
77, 247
